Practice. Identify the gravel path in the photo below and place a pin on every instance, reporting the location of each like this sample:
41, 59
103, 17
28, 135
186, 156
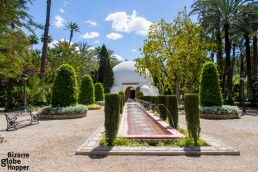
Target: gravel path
52, 145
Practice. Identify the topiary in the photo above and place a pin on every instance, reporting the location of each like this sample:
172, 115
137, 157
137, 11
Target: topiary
210, 93
87, 95
162, 107
64, 92
172, 105
99, 92
112, 111
192, 115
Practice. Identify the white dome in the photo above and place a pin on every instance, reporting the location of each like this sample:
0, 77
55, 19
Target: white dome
116, 88
145, 90
125, 72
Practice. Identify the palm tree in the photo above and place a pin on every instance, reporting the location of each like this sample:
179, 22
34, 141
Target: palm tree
45, 43
33, 40
72, 27
226, 11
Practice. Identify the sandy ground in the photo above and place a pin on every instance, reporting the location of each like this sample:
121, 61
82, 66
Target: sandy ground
51, 146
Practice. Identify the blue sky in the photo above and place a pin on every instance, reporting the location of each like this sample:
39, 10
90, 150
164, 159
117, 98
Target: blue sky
121, 25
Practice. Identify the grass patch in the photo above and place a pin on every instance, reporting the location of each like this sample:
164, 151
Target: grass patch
183, 142
94, 106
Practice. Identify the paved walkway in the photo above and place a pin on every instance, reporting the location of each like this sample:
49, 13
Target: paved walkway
52, 146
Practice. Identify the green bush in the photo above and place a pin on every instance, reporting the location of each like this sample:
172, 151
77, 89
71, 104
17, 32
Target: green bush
154, 100
166, 90
147, 98
220, 110
64, 92
112, 111
171, 103
99, 92
94, 106
162, 109
78, 109
123, 97
210, 93
247, 104
181, 107
140, 94
192, 114
121, 104
87, 95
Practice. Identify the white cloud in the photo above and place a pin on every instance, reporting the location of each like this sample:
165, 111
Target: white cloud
97, 41
61, 10
133, 50
91, 23
66, 3
59, 21
129, 23
90, 35
118, 57
114, 36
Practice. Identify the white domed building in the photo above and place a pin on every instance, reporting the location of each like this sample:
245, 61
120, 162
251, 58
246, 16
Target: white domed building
127, 79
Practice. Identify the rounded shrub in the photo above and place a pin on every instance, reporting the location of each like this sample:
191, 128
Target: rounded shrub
86, 95
99, 92
64, 92
192, 115
112, 111
210, 93
171, 103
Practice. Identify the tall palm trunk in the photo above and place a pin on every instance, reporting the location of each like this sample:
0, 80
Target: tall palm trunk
45, 43
219, 58
240, 97
228, 63
250, 87
254, 67
71, 36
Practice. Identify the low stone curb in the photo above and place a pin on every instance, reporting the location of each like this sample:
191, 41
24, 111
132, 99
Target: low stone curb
91, 147
214, 116
65, 116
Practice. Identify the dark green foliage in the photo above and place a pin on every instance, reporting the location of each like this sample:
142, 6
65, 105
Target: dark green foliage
172, 106
112, 103
162, 107
192, 114
64, 92
147, 98
109, 77
210, 93
121, 104
99, 92
166, 90
140, 94
154, 100
87, 93
103, 56
123, 96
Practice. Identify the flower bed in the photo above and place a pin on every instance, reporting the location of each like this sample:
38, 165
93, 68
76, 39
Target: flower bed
70, 112
219, 112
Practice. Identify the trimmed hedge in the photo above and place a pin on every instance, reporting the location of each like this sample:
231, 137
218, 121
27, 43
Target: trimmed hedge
64, 92
99, 92
192, 114
171, 103
112, 111
162, 109
154, 100
123, 97
86, 95
210, 93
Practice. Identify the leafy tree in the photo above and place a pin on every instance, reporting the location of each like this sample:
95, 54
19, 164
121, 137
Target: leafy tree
210, 94
174, 53
87, 93
33, 40
72, 27
109, 77
64, 92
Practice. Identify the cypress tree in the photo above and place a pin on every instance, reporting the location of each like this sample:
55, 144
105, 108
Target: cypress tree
109, 77
87, 94
103, 56
99, 92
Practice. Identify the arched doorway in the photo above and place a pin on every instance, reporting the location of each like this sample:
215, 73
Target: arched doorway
130, 93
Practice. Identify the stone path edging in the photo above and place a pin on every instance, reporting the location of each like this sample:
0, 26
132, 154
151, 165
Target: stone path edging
91, 147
